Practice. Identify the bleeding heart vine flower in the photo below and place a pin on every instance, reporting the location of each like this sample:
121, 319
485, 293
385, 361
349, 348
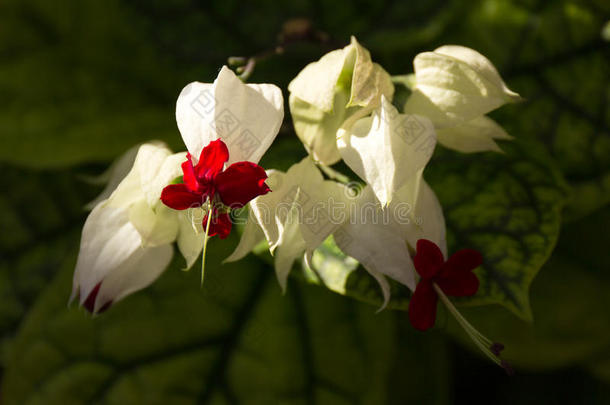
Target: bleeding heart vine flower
223, 190
223, 123
453, 277
220, 191
127, 239
439, 279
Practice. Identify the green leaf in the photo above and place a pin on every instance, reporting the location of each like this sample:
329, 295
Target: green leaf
570, 301
73, 96
343, 275
507, 206
553, 54
237, 340
42, 214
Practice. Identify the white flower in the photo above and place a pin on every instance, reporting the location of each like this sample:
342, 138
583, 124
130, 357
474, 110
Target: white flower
454, 87
344, 84
302, 210
126, 240
381, 238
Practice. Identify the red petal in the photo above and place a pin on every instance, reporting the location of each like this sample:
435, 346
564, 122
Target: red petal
463, 260
89, 303
456, 277
422, 308
240, 183
179, 197
429, 259
212, 160
221, 225
459, 284
189, 177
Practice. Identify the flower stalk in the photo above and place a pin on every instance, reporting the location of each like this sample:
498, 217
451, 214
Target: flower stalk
205, 241
490, 349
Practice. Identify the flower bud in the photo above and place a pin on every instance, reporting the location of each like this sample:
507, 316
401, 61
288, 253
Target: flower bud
343, 84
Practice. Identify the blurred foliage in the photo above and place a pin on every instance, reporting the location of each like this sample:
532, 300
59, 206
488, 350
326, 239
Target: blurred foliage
83, 80
570, 305
42, 215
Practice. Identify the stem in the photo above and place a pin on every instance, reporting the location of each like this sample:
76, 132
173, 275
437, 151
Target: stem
246, 71
205, 241
333, 174
479, 340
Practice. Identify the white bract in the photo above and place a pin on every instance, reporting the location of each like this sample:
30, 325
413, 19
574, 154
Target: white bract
247, 117
380, 238
302, 210
454, 87
343, 84
388, 149
126, 240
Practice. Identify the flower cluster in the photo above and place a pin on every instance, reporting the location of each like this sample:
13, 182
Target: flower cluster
343, 108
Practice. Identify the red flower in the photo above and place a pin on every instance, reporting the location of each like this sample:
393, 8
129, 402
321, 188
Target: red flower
233, 187
454, 277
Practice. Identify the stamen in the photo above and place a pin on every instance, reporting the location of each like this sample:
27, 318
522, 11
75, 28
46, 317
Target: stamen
205, 240
490, 349
496, 348
507, 367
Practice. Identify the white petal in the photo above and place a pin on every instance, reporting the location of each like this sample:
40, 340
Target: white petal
316, 83
252, 236
139, 192
383, 285
324, 210
157, 225
195, 116
480, 64
476, 135
369, 238
190, 235
140, 270
247, 117
168, 171
328, 92
321, 205
290, 246
318, 129
460, 82
108, 240
425, 220
369, 80
271, 210
388, 149
114, 175
140, 182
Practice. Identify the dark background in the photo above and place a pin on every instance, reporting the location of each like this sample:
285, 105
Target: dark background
81, 81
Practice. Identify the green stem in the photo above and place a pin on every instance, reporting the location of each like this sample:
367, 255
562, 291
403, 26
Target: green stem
205, 241
478, 339
333, 174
